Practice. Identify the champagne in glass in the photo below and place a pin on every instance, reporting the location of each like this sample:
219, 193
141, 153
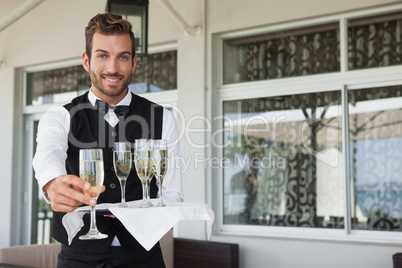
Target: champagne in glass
122, 166
91, 170
143, 167
160, 165
152, 172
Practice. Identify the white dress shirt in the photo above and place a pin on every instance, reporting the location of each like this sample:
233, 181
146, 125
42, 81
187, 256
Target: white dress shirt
52, 144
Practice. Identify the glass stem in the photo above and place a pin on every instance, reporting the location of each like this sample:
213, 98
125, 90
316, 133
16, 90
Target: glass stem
144, 191
148, 192
123, 191
160, 187
93, 221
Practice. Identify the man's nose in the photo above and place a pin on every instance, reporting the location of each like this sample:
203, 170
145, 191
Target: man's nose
113, 66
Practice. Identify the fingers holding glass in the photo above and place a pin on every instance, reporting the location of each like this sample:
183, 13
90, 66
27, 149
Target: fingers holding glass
92, 171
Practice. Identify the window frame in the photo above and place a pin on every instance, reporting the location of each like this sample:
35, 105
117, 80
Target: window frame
344, 81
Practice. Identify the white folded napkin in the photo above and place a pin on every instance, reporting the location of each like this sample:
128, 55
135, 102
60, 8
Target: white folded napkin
147, 225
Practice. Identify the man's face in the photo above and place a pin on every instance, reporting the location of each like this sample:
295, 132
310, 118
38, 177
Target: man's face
111, 66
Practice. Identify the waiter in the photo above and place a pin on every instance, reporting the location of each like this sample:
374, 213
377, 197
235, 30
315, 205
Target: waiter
107, 113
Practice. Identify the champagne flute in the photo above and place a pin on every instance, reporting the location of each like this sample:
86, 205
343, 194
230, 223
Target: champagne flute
160, 165
152, 173
122, 166
92, 171
143, 167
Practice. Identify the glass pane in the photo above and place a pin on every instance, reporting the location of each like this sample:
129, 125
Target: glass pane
157, 73
285, 166
375, 123
375, 41
57, 85
292, 53
136, 13
42, 213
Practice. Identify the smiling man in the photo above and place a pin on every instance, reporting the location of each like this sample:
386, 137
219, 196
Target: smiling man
110, 65
106, 114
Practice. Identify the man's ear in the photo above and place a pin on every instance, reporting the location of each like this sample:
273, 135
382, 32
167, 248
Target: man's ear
85, 61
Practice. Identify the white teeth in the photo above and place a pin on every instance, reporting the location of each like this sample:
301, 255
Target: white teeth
112, 80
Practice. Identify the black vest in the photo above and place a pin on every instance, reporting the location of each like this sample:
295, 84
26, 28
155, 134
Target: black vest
88, 130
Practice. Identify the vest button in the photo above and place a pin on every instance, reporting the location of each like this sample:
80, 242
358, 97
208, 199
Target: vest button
114, 134
112, 186
114, 222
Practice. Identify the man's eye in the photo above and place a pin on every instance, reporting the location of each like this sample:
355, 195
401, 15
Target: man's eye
124, 58
102, 56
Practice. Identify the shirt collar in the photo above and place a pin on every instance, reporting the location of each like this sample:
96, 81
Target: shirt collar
125, 101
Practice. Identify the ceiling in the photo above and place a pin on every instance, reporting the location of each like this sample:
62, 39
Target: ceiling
7, 6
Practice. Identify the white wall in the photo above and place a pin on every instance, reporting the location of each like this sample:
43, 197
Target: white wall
192, 103
6, 155
54, 31
285, 253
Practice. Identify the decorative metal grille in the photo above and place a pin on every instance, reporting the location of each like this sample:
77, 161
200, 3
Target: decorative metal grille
375, 41
298, 52
43, 86
159, 70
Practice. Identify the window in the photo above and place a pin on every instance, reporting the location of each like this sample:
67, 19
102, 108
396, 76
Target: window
375, 41
277, 176
57, 85
311, 144
375, 137
298, 52
157, 73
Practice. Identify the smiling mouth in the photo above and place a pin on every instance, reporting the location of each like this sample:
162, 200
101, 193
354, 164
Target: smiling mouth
112, 79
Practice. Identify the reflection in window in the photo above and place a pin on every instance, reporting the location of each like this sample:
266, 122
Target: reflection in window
157, 73
375, 41
42, 213
61, 85
285, 161
298, 52
375, 123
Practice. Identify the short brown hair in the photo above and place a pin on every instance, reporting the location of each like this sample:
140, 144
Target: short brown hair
107, 24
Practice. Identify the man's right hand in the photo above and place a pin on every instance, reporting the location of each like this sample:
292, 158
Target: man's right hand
66, 193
